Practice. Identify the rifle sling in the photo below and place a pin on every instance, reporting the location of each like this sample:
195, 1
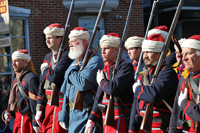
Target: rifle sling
22, 93
26, 99
192, 84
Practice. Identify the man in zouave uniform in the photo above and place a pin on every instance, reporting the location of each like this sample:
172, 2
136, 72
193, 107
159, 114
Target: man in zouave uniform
120, 86
76, 80
186, 106
133, 45
23, 96
164, 88
52, 73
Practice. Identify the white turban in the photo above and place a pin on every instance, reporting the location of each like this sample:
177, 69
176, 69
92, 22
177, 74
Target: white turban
154, 43
180, 42
111, 39
162, 30
134, 41
80, 33
21, 54
192, 42
54, 30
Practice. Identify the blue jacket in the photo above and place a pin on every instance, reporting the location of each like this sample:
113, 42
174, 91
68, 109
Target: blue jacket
164, 87
29, 84
120, 86
83, 81
55, 75
188, 106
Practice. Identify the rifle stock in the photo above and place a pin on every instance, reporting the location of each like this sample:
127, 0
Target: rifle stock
54, 100
146, 124
78, 102
160, 64
109, 119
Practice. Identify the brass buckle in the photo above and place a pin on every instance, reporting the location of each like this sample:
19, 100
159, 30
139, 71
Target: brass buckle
71, 105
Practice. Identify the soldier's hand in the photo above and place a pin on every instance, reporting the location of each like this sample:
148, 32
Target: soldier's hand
100, 76
89, 126
182, 96
37, 129
7, 116
63, 125
135, 85
37, 117
43, 66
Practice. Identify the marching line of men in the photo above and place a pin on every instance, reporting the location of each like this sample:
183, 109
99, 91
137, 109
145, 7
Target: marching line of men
29, 101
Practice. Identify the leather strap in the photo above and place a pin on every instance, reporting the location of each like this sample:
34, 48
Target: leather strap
22, 93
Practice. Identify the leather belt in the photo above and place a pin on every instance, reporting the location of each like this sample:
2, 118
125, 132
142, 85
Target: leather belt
49, 96
85, 106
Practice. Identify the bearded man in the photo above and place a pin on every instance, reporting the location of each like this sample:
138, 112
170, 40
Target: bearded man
75, 80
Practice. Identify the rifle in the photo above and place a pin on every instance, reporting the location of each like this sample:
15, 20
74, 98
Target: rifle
55, 91
148, 111
110, 109
78, 102
145, 37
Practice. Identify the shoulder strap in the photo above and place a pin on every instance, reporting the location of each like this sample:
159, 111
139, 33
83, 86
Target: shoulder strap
22, 93
194, 86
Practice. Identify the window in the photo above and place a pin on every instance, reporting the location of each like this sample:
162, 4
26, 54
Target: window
88, 22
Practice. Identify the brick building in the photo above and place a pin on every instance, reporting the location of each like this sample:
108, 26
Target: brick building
28, 18
41, 13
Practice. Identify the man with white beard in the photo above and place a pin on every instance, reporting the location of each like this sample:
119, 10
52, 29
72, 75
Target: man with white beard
83, 81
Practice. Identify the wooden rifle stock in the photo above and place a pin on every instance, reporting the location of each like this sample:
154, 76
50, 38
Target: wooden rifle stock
78, 102
109, 119
160, 64
54, 100
147, 119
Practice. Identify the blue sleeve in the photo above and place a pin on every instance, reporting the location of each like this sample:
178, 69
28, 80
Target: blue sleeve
124, 75
86, 79
33, 93
134, 125
174, 116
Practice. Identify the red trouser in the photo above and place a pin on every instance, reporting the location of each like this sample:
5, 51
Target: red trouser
26, 124
120, 124
47, 124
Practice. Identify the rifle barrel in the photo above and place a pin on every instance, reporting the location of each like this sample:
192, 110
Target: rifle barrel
93, 35
145, 37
